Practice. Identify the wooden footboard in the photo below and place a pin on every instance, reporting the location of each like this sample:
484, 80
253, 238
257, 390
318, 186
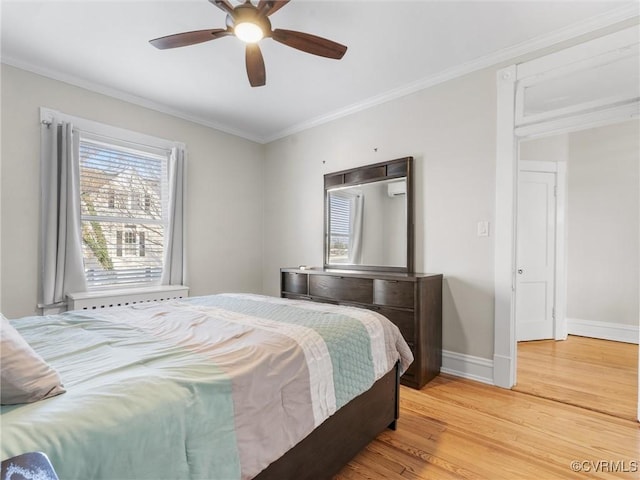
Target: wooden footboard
336, 441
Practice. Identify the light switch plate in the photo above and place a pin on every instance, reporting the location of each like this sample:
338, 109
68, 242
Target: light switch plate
483, 228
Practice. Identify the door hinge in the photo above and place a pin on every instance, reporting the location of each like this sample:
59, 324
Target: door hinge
553, 313
555, 190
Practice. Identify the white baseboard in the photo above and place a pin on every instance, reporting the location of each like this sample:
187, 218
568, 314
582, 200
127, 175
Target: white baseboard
618, 332
467, 366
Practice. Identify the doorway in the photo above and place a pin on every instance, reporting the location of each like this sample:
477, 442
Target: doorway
541, 97
536, 250
596, 293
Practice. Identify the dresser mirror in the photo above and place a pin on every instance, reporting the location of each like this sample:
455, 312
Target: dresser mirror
369, 217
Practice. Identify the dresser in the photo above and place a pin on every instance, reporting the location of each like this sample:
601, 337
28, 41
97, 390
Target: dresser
412, 301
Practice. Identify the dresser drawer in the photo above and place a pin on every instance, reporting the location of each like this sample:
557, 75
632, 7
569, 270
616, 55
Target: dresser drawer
295, 296
344, 289
404, 320
295, 282
393, 293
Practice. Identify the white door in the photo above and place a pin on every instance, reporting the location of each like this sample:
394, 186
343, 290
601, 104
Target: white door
535, 265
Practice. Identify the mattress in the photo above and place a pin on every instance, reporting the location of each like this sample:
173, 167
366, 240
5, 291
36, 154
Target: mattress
206, 387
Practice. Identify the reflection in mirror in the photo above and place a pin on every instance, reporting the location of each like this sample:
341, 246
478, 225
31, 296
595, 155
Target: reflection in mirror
367, 224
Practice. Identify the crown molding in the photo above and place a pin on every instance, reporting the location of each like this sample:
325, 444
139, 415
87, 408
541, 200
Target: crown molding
126, 97
538, 43
544, 41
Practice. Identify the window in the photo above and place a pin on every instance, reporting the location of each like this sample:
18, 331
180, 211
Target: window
121, 221
147, 202
131, 241
340, 215
123, 196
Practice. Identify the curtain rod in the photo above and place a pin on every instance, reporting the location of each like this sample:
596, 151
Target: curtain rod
48, 123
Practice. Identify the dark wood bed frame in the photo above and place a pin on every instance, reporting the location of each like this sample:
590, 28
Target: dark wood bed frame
339, 438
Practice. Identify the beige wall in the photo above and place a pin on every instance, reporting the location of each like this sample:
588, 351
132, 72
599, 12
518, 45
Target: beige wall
602, 224
450, 131
546, 149
224, 200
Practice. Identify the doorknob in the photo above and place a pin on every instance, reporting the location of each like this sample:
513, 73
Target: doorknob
520, 271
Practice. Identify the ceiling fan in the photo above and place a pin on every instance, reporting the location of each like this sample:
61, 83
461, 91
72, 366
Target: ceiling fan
251, 24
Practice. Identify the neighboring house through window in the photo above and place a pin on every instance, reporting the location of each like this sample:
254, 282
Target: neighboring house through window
123, 193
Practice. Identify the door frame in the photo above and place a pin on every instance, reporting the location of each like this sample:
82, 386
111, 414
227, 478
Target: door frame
509, 131
559, 168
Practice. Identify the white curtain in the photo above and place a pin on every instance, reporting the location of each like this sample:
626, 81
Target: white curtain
62, 264
355, 229
173, 269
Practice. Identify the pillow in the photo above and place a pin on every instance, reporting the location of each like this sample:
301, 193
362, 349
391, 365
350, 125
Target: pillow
25, 376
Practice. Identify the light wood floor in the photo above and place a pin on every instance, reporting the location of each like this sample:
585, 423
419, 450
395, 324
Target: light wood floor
460, 429
595, 374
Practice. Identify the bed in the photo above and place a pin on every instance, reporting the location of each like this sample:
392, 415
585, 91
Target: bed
231, 386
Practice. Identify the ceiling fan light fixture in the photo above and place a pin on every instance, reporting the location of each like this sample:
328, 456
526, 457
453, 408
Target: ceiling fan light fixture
248, 32
250, 23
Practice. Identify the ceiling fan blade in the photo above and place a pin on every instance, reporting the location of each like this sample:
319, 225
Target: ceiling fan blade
309, 43
223, 5
188, 38
268, 7
255, 65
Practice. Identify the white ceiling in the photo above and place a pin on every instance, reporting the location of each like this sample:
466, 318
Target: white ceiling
394, 47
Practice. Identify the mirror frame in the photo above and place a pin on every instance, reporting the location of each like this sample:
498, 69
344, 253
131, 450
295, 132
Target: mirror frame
398, 168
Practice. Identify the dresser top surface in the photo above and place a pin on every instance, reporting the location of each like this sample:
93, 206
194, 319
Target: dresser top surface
360, 273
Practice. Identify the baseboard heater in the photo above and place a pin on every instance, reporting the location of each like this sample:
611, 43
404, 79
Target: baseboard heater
130, 296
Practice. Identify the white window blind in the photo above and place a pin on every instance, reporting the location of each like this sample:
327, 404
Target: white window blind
340, 228
340, 207
123, 194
